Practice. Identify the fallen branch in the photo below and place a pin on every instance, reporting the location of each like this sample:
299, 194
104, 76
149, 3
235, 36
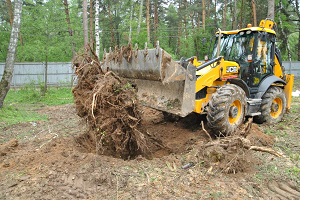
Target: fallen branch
264, 149
216, 143
246, 145
202, 126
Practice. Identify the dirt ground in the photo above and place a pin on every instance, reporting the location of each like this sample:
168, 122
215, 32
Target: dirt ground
107, 146
48, 160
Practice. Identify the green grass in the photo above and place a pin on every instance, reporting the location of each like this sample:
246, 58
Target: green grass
20, 105
287, 140
32, 95
12, 114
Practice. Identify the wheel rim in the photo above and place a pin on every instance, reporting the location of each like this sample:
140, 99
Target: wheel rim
276, 107
235, 111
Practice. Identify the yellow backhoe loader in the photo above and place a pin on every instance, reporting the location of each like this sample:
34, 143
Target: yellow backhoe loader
244, 78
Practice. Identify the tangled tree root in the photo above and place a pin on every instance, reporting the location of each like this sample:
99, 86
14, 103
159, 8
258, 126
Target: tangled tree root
230, 154
109, 106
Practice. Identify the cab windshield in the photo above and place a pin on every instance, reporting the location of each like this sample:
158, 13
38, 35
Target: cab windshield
235, 47
252, 50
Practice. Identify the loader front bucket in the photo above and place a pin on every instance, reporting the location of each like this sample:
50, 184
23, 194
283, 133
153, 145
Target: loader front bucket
162, 83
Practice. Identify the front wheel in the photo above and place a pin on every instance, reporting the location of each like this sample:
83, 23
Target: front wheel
273, 106
226, 110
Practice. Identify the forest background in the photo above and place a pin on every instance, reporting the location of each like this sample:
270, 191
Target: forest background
52, 30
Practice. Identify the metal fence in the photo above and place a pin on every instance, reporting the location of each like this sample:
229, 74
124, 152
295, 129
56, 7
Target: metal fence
62, 73
292, 67
51, 74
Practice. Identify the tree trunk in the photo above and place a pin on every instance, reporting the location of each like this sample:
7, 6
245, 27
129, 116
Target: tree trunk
204, 14
85, 23
10, 11
284, 34
117, 24
130, 31
9, 4
148, 21
9, 65
185, 22
270, 11
215, 15
208, 9
179, 31
198, 18
156, 20
70, 30
140, 17
192, 16
241, 14
224, 16
97, 28
113, 40
91, 23
235, 18
255, 22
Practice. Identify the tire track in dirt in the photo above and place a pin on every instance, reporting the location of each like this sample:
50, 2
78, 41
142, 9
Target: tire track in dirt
283, 190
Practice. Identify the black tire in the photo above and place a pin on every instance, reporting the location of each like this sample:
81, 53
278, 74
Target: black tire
273, 106
226, 110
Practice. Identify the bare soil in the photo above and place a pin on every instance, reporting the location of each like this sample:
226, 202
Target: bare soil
107, 146
47, 160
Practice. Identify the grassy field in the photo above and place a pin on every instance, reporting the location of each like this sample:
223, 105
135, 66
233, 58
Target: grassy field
287, 140
20, 104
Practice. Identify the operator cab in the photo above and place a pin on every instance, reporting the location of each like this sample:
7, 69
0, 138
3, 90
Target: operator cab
252, 50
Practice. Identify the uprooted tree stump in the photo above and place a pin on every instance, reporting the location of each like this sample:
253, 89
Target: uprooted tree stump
109, 106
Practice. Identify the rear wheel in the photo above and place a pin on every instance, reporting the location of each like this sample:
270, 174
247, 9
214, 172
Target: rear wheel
226, 110
273, 106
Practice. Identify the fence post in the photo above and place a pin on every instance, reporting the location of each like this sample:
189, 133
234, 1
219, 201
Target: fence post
45, 77
71, 76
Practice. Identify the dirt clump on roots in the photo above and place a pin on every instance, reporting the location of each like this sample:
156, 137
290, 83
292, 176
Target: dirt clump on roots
109, 106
